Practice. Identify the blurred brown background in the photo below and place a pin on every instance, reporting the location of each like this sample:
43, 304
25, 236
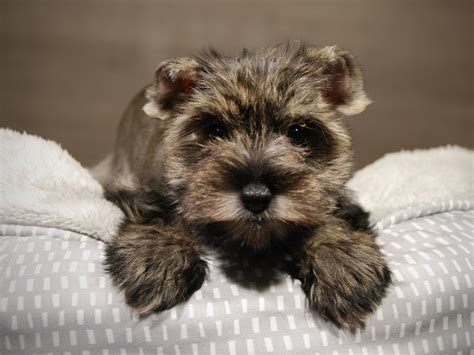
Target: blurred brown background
68, 68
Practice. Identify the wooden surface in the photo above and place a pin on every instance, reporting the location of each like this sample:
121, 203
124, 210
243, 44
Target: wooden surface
68, 68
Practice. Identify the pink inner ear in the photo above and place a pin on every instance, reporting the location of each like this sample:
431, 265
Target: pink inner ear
335, 90
187, 85
176, 86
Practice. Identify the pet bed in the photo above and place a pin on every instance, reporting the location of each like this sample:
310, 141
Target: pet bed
55, 297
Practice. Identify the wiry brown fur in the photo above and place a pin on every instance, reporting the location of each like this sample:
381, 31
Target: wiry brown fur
343, 273
156, 265
180, 186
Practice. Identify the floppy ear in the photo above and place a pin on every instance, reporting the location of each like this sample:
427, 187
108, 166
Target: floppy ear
342, 82
173, 83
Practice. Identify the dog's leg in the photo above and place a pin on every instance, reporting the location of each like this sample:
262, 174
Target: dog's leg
343, 273
350, 211
156, 265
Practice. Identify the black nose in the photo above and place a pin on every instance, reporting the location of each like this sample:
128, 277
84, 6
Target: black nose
256, 197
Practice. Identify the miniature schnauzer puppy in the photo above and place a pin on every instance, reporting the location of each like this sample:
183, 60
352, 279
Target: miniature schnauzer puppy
244, 155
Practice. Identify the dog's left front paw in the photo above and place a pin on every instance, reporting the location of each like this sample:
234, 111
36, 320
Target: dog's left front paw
345, 279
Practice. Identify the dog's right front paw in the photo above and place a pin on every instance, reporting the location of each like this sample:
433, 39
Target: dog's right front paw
155, 268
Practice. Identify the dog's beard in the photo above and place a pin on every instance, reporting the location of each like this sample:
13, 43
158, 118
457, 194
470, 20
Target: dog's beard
224, 222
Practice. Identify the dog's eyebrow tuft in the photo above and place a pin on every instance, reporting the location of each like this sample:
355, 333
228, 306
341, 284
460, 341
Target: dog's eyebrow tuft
198, 121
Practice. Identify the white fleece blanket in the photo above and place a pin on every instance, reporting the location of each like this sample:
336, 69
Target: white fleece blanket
42, 185
408, 178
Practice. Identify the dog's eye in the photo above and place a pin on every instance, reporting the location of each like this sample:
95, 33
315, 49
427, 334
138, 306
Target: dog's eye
297, 133
216, 130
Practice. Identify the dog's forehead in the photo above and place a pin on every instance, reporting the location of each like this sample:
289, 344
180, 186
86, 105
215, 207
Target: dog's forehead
257, 88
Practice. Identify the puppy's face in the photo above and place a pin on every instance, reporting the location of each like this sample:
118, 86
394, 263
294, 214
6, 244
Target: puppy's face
255, 147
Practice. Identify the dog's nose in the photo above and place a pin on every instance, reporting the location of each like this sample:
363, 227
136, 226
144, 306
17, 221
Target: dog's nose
256, 197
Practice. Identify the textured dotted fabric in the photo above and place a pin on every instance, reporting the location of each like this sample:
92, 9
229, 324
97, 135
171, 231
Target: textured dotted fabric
55, 298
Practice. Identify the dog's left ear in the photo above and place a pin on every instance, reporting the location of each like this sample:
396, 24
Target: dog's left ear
342, 82
173, 84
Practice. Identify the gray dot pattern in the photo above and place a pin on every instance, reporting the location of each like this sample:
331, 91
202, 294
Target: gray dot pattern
56, 299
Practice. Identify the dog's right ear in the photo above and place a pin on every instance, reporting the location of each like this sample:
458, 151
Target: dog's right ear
173, 84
